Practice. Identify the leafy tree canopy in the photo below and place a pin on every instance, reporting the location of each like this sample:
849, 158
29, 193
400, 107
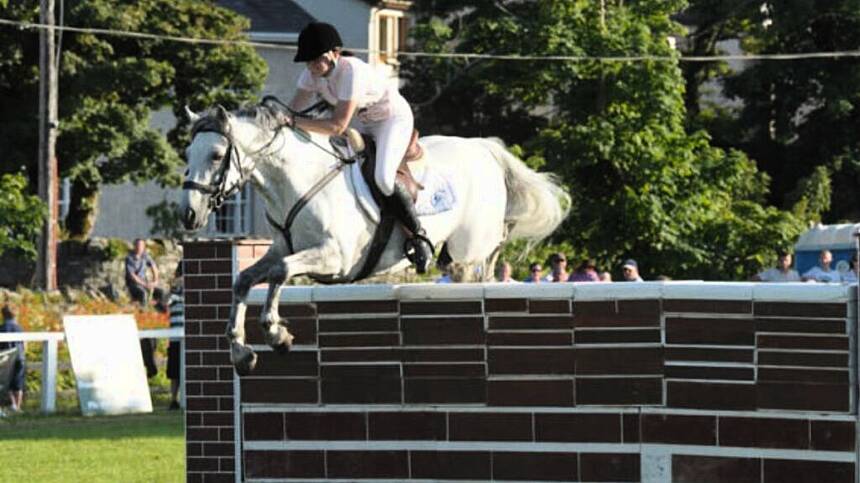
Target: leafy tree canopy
110, 85
642, 184
22, 216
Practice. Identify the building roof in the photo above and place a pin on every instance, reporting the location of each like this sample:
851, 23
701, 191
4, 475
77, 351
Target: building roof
281, 16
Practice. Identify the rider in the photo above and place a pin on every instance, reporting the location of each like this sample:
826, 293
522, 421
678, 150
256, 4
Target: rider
364, 99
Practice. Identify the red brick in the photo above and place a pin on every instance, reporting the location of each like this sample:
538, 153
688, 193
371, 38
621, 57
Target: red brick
201, 404
444, 370
792, 309
710, 372
800, 342
807, 471
490, 427
382, 324
193, 449
624, 336
226, 434
217, 388
225, 403
710, 469
832, 435
191, 251
615, 391
200, 282
202, 343
367, 464
440, 308
534, 466
803, 397
530, 393
612, 361
549, 306
708, 306
442, 331
822, 376
707, 355
473, 465
218, 419
358, 307
361, 355
218, 449
201, 464
808, 359
506, 305
201, 374
362, 390
529, 338
710, 331
293, 363
217, 296
807, 326
579, 428
359, 340
201, 434
716, 395
220, 358
263, 426
193, 419
227, 465
764, 432
407, 425
284, 464
216, 266
325, 426
279, 391
531, 322
531, 361
675, 429
609, 467
444, 355
445, 390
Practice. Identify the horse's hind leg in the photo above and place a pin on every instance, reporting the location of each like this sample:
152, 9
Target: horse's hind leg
243, 357
320, 260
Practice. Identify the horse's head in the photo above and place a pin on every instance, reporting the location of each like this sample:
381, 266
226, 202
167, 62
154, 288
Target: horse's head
217, 166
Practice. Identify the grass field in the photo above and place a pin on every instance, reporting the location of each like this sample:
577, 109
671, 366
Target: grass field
64, 448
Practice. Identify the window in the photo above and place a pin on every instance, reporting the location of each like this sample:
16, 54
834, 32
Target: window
391, 30
234, 216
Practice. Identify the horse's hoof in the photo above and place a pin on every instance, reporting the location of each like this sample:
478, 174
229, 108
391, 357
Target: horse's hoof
282, 349
246, 364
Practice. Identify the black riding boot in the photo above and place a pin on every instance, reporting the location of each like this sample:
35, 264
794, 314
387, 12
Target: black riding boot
419, 250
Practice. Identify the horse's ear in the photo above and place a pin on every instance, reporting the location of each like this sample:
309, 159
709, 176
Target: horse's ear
222, 114
192, 116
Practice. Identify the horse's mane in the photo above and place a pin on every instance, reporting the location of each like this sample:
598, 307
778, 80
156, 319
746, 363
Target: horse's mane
261, 116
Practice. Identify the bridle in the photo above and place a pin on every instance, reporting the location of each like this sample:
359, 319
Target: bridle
218, 190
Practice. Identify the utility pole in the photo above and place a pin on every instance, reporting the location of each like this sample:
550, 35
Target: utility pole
46, 266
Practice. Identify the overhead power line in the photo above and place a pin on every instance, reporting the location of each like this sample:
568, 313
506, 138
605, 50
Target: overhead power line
454, 55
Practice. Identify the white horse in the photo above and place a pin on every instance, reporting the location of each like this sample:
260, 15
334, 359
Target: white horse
498, 198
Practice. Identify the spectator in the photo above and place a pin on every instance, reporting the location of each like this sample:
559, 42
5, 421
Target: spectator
16, 381
781, 273
558, 268
174, 349
585, 272
139, 288
136, 279
822, 272
535, 271
605, 277
851, 275
504, 272
630, 271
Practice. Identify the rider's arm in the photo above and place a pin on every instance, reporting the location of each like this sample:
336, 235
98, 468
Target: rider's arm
302, 99
334, 125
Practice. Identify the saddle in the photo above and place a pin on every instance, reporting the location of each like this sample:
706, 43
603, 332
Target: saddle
353, 143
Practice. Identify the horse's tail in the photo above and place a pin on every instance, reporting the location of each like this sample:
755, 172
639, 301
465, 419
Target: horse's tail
537, 203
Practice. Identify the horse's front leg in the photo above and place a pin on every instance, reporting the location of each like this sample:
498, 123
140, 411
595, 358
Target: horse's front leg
319, 260
243, 357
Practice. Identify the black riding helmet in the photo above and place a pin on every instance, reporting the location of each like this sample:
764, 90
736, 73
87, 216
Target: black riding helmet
316, 39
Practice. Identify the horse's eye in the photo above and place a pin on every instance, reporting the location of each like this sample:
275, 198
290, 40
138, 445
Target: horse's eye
217, 156
186, 172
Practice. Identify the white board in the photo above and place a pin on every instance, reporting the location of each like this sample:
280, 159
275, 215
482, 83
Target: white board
108, 365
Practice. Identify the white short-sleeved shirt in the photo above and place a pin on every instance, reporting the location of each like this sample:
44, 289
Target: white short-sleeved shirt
352, 78
819, 275
777, 275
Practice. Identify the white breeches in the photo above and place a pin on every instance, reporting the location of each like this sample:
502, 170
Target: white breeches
392, 139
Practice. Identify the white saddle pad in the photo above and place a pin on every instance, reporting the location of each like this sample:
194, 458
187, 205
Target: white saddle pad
437, 196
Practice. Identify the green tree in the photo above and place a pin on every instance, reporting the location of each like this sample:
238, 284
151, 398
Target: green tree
796, 116
110, 85
22, 216
642, 185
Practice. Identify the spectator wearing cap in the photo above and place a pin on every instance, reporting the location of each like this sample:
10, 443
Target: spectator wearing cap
558, 268
781, 273
822, 272
535, 271
851, 275
630, 271
585, 272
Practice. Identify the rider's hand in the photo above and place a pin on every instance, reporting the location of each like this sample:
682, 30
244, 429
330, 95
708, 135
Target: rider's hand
286, 119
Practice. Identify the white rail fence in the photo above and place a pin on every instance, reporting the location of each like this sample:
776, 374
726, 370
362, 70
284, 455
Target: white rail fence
50, 361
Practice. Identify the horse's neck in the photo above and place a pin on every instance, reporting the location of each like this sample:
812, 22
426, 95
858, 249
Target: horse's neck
282, 178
